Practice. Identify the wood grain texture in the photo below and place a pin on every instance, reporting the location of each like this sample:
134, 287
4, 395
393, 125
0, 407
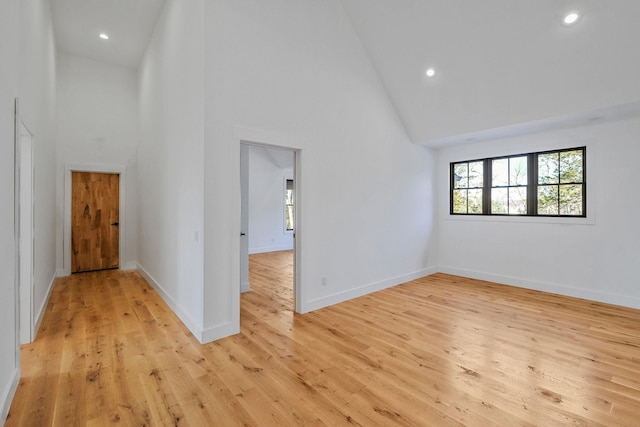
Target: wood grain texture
95, 234
438, 351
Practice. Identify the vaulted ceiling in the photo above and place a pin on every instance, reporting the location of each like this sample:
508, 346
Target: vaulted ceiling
502, 67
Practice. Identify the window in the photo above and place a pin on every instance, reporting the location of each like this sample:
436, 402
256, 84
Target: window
550, 183
509, 184
560, 185
468, 182
288, 205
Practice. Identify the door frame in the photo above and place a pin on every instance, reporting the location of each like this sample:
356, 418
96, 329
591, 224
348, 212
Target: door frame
24, 234
267, 139
95, 168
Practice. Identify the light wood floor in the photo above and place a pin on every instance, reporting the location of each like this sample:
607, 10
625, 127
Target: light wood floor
438, 351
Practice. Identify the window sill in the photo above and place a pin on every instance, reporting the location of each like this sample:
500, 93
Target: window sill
589, 220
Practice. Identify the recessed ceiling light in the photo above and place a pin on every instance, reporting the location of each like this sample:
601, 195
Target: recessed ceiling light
103, 36
571, 18
430, 72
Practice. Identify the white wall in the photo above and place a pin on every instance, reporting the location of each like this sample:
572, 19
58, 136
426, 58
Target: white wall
268, 170
27, 71
592, 258
170, 160
294, 73
37, 105
9, 360
98, 125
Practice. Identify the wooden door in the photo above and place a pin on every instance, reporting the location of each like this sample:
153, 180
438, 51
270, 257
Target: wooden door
95, 217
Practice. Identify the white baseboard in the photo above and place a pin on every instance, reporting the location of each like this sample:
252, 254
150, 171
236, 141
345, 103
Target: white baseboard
363, 290
191, 324
131, 265
270, 249
8, 394
220, 331
245, 287
40, 313
554, 288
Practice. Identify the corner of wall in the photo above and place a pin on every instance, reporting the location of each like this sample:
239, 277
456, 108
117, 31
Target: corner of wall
191, 324
218, 332
40, 313
130, 265
554, 288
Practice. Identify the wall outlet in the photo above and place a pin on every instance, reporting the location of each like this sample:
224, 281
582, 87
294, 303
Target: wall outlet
324, 281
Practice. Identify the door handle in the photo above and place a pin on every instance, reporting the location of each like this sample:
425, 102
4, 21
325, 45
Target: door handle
242, 234
116, 223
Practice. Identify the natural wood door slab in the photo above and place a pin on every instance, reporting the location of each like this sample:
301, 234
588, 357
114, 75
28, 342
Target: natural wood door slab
95, 221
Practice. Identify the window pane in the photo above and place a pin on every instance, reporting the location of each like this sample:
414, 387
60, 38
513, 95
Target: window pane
476, 175
518, 200
460, 201
475, 201
500, 173
499, 201
289, 217
460, 175
571, 200
548, 168
548, 200
571, 166
518, 170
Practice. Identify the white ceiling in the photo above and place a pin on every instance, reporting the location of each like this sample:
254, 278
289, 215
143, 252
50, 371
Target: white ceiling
129, 24
507, 66
503, 67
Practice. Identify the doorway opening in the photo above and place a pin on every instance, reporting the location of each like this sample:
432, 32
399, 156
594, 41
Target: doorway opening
269, 184
111, 224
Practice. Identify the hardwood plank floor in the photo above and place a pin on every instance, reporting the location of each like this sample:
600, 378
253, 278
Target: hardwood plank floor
438, 351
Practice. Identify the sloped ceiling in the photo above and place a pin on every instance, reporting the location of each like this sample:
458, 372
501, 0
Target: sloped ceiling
129, 24
502, 66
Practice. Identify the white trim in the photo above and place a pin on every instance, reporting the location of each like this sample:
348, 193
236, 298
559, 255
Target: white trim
364, 290
8, 394
98, 168
299, 291
40, 313
217, 332
554, 288
24, 233
590, 220
262, 138
245, 287
131, 265
184, 317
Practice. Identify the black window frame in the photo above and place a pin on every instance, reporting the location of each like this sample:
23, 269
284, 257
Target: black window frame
532, 184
